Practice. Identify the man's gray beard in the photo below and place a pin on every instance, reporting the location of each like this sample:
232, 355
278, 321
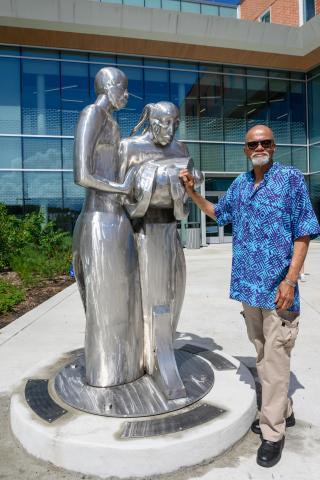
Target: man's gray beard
260, 160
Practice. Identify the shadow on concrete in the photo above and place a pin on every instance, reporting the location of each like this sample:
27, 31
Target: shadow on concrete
205, 342
250, 362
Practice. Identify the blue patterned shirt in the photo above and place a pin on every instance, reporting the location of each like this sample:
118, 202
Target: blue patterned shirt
266, 221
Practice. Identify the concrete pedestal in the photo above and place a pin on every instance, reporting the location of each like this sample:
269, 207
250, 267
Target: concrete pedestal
95, 445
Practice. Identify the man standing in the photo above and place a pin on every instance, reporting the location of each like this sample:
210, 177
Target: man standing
273, 221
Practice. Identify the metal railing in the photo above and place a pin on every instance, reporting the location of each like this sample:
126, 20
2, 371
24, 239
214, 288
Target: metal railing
204, 7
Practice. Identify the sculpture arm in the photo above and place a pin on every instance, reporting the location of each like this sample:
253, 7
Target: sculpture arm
92, 120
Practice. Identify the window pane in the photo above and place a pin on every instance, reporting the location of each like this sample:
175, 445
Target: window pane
235, 160
266, 17
258, 72
43, 188
128, 117
103, 58
9, 50
41, 97
257, 106
10, 110
81, 57
10, 149
132, 60
11, 192
279, 110
171, 5
184, 94
73, 195
283, 155
228, 12
156, 62
153, 3
74, 94
67, 153
41, 153
309, 9
299, 158
315, 158
211, 119
209, 10
234, 107
314, 110
39, 53
212, 157
194, 151
190, 7
183, 65
157, 85
136, 3
298, 112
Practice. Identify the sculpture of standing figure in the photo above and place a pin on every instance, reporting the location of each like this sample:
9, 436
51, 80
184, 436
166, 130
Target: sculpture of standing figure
158, 199
104, 253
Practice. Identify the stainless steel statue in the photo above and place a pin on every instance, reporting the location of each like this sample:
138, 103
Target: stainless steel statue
104, 254
131, 273
158, 199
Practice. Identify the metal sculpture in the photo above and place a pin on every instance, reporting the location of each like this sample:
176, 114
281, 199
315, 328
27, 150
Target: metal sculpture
104, 254
129, 263
159, 199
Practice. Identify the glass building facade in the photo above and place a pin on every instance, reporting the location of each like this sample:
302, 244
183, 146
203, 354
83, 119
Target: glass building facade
205, 7
42, 92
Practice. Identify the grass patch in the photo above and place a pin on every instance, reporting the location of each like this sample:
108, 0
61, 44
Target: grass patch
10, 295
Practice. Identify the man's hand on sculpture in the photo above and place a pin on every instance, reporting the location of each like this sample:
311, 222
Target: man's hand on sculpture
188, 180
284, 296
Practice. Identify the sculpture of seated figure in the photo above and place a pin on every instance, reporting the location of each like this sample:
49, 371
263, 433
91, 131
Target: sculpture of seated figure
155, 202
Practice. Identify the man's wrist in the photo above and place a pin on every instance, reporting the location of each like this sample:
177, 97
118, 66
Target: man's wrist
290, 282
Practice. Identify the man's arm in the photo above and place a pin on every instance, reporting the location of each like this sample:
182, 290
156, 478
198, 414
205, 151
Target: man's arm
189, 183
285, 293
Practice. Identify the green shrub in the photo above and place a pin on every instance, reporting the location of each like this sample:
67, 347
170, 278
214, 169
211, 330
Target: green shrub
31, 248
10, 295
34, 265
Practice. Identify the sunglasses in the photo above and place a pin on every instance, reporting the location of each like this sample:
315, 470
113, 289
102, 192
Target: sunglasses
264, 144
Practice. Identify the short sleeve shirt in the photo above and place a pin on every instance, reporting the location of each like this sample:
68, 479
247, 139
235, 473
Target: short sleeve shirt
266, 221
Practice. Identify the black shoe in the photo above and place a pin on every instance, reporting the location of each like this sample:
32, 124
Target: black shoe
290, 422
269, 453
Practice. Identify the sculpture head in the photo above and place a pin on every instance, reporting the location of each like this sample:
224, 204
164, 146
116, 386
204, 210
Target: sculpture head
163, 120
112, 82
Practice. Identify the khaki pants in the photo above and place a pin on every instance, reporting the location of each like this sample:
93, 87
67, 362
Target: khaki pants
273, 335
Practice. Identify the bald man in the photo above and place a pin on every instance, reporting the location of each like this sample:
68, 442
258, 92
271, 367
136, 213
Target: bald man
273, 221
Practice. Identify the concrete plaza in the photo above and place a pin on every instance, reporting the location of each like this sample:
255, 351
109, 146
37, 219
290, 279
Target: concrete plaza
39, 339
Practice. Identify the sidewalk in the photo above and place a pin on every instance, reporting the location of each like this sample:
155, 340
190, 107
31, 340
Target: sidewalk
39, 339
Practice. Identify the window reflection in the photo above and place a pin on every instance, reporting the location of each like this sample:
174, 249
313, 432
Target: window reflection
41, 97
279, 109
211, 116
74, 94
11, 155
42, 153
43, 189
217, 103
184, 93
11, 192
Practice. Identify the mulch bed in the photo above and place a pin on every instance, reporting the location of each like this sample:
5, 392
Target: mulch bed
34, 295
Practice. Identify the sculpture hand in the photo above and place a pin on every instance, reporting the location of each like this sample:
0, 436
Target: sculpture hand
129, 179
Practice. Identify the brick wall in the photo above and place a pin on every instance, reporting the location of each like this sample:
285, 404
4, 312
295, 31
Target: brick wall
285, 12
317, 7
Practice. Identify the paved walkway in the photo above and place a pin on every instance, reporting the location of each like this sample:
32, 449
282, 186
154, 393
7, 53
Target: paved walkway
40, 338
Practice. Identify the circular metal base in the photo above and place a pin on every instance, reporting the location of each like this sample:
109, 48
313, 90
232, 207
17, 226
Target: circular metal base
140, 398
